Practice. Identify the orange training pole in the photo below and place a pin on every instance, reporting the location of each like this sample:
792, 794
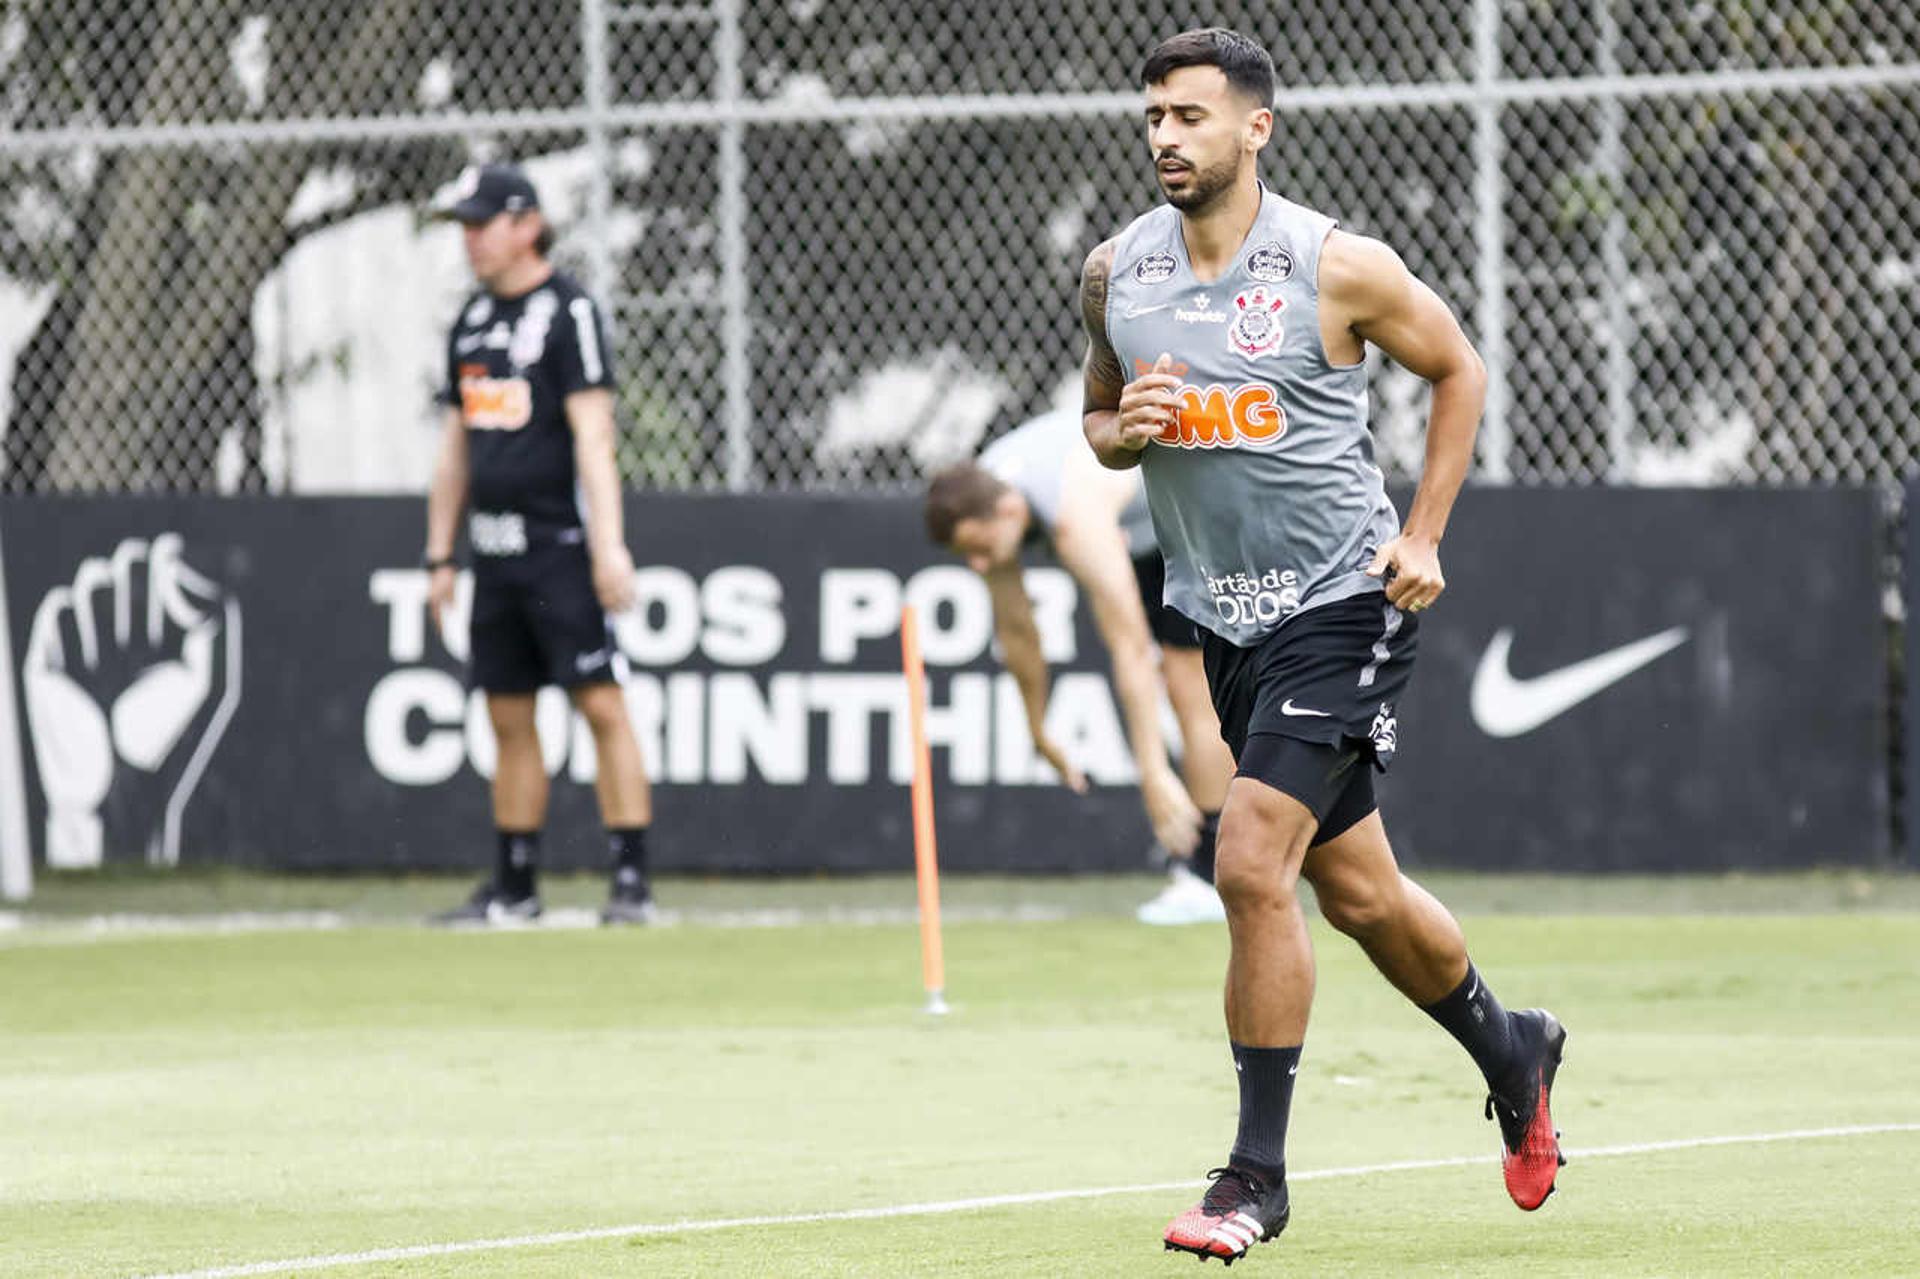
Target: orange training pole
926, 863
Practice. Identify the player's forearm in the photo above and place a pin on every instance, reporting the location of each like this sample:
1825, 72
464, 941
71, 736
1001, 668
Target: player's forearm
1020, 654
1452, 423
446, 498
1018, 636
1102, 427
1137, 688
1097, 555
600, 487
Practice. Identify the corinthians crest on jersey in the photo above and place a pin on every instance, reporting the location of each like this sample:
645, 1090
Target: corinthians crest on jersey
1256, 327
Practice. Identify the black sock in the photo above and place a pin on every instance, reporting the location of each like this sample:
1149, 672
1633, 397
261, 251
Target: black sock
1473, 1016
628, 845
514, 858
1266, 1098
1201, 863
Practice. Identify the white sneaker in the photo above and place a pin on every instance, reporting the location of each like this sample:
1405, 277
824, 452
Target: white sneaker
1187, 899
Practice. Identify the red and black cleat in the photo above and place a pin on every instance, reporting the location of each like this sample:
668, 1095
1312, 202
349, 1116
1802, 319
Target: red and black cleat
1530, 1154
1238, 1211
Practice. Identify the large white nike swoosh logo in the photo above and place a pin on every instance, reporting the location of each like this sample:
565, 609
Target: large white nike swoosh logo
1133, 311
1507, 707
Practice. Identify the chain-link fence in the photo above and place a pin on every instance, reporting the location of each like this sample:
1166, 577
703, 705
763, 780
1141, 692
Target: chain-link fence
841, 240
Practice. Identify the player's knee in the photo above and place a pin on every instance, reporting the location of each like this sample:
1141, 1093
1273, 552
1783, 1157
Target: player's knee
603, 707
512, 723
1354, 904
1250, 872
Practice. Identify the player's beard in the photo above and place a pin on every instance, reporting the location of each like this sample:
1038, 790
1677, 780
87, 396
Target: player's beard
1204, 187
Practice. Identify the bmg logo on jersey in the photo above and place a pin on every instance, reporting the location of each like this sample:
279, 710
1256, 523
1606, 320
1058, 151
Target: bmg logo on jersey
1221, 417
1254, 598
494, 403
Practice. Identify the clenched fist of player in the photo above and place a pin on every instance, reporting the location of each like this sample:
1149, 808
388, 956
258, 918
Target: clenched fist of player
1148, 405
1411, 567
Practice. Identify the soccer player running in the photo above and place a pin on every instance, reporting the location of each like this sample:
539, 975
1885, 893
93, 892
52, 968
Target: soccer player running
527, 444
1040, 484
1227, 339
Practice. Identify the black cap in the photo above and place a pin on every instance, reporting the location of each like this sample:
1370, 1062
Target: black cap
488, 190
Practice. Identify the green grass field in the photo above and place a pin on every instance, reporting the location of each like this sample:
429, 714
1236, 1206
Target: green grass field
190, 1101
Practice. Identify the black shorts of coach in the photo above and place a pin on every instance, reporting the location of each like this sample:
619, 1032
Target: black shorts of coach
1168, 626
1311, 710
537, 620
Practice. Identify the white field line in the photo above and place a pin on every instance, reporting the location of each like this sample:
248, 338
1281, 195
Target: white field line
25, 928
501, 1244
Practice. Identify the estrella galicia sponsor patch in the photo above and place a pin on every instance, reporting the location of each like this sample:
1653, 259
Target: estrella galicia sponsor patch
1270, 262
1155, 268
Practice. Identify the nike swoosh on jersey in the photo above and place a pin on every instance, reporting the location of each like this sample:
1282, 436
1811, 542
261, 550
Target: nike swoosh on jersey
1288, 708
1133, 312
1507, 707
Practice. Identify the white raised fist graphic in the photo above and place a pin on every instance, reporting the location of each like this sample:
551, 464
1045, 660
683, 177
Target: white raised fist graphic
131, 675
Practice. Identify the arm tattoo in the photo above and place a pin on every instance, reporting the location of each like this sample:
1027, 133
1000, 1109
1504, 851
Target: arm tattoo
1104, 376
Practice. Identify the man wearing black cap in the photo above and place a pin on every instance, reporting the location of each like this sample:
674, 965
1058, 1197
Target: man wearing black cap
528, 448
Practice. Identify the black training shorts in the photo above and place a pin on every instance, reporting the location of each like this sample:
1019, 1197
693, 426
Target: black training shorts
1173, 629
1309, 708
536, 621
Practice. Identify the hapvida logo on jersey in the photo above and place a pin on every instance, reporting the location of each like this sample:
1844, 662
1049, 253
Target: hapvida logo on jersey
1255, 599
1201, 312
497, 338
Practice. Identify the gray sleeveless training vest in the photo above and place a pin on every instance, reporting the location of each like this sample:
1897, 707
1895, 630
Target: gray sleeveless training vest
1031, 459
1265, 498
